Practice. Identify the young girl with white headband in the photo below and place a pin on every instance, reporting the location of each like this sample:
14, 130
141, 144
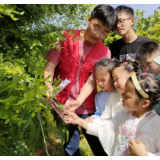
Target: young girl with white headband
138, 122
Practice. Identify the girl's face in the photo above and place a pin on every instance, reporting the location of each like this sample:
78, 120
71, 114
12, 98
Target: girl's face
130, 99
120, 77
104, 80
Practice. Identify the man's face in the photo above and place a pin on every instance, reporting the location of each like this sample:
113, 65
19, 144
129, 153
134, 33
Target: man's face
149, 66
96, 31
125, 23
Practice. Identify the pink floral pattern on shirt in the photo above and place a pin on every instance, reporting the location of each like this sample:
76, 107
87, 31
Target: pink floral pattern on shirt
126, 133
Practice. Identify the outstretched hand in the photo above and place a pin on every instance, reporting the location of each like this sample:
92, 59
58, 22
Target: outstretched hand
137, 148
72, 105
70, 117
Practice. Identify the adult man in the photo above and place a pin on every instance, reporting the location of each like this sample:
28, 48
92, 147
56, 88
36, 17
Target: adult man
76, 62
126, 47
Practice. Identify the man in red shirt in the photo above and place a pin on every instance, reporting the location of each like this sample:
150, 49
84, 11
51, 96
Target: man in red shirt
90, 49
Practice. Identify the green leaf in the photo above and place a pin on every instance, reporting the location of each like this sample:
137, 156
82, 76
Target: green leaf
34, 42
14, 118
17, 79
7, 121
24, 99
9, 99
7, 106
38, 109
22, 121
5, 116
27, 124
33, 114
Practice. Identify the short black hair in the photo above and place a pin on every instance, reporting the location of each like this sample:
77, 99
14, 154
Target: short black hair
150, 84
107, 15
126, 9
146, 50
105, 64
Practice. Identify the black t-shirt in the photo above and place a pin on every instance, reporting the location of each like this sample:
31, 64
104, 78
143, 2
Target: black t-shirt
122, 50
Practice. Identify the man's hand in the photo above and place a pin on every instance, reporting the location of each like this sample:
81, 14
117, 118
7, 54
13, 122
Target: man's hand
137, 148
90, 119
72, 105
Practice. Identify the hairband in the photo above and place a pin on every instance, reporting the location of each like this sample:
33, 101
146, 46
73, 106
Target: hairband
137, 86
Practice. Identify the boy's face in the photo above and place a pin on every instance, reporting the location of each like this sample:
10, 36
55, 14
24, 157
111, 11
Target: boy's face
125, 23
96, 31
149, 66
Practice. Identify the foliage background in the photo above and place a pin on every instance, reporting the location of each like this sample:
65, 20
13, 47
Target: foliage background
27, 32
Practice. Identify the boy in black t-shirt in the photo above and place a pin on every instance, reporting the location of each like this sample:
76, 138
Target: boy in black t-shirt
126, 47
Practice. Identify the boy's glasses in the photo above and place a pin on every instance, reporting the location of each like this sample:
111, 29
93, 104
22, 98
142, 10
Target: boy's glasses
95, 30
121, 21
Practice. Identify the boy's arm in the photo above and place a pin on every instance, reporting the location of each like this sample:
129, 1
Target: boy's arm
85, 92
49, 70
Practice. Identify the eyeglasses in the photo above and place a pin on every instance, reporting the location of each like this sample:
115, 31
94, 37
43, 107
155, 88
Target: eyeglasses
121, 21
95, 30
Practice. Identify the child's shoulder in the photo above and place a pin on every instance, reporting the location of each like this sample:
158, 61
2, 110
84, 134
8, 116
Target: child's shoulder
105, 93
116, 95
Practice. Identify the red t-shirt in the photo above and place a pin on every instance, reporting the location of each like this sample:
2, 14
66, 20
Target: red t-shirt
84, 49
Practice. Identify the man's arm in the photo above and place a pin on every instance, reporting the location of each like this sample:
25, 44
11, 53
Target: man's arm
49, 70
85, 92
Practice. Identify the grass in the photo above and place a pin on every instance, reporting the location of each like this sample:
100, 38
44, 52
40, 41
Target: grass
55, 147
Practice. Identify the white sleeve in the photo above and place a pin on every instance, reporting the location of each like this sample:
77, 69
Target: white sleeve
92, 129
100, 128
157, 143
107, 113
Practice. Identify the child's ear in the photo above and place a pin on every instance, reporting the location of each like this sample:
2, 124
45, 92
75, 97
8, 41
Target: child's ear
146, 103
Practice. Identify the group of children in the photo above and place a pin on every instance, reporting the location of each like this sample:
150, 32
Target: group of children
119, 119
126, 124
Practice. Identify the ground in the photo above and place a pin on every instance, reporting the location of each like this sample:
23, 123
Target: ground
55, 145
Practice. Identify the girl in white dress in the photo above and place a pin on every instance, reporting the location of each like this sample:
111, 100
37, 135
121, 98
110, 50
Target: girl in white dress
137, 123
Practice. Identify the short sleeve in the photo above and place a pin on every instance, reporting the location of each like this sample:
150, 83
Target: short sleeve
54, 54
108, 55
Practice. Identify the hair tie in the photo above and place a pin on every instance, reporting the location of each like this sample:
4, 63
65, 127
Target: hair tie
133, 62
125, 63
144, 73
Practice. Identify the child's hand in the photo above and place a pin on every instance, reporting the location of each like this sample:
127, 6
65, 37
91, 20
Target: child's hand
137, 148
70, 117
90, 119
72, 105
